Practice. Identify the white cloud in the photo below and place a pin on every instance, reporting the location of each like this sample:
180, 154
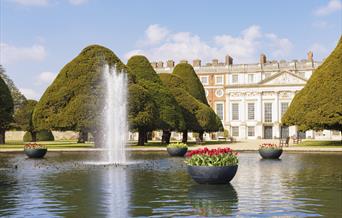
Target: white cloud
30, 93
11, 53
32, 2
154, 34
245, 47
46, 78
319, 50
77, 2
331, 7
320, 24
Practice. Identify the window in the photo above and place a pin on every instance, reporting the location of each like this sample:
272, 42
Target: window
219, 110
206, 92
250, 78
267, 75
268, 112
204, 80
301, 74
235, 78
235, 111
219, 80
251, 130
235, 131
283, 108
251, 111
219, 93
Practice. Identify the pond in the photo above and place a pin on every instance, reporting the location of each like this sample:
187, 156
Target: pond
61, 185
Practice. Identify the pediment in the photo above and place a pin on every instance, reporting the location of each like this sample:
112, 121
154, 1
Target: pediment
283, 78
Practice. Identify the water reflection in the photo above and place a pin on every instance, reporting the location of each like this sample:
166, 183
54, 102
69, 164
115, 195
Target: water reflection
60, 185
213, 200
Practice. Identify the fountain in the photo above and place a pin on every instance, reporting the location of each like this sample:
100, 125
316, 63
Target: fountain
115, 115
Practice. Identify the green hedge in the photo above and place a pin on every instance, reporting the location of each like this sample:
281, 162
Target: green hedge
44, 135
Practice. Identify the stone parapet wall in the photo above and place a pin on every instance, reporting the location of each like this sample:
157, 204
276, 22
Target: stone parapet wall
18, 135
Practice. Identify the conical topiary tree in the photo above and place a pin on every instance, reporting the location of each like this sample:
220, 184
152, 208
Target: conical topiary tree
198, 116
195, 88
6, 109
74, 101
319, 104
170, 115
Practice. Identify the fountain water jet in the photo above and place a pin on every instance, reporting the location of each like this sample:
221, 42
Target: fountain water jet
115, 115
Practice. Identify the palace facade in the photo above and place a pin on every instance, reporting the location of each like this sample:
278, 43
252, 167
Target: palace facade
250, 99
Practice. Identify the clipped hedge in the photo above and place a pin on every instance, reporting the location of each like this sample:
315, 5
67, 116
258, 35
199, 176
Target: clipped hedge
44, 135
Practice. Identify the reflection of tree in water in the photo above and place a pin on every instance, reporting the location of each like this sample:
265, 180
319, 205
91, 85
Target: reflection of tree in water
317, 183
213, 200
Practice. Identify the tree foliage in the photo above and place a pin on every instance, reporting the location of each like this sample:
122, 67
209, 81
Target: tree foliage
194, 86
43, 135
23, 116
170, 115
17, 96
74, 101
319, 104
198, 116
6, 106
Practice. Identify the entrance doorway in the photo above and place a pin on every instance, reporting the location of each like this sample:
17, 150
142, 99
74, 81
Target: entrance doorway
284, 132
268, 132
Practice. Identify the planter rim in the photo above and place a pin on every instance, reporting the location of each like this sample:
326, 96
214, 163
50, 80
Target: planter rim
35, 148
270, 148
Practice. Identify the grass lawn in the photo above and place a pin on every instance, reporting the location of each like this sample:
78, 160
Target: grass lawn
323, 144
50, 144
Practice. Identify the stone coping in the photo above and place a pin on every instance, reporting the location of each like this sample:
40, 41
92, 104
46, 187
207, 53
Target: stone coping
234, 147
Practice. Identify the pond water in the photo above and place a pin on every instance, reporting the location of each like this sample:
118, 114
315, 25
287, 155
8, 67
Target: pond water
61, 185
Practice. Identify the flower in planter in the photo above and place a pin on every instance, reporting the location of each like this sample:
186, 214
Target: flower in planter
33, 145
212, 157
269, 146
177, 145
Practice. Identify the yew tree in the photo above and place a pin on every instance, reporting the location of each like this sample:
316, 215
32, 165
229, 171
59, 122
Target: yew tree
319, 104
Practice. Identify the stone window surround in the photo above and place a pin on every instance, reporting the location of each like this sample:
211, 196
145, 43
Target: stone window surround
223, 111
207, 78
222, 79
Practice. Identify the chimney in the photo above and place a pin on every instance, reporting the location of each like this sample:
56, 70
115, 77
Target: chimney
160, 64
228, 60
263, 59
196, 63
310, 56
183, 62
170, 63
154, 64
215, 62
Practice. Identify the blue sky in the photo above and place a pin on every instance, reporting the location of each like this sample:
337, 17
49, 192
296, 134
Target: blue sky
38, 37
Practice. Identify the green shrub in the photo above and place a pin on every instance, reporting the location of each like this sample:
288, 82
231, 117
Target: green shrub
177, 145
44, 135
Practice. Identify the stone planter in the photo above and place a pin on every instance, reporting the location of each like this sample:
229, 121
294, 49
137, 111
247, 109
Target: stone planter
177, 152
35, 153
211, 174
270, 153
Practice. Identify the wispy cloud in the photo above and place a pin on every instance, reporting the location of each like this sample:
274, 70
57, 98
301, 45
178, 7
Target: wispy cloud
331, 7
11, 53
30, 93
32, 2
163, 44
40, 3
77, 2
45, 78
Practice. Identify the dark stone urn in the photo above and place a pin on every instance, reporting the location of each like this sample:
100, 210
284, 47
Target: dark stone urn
177, 152
270, 153
35, 153
211, 174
